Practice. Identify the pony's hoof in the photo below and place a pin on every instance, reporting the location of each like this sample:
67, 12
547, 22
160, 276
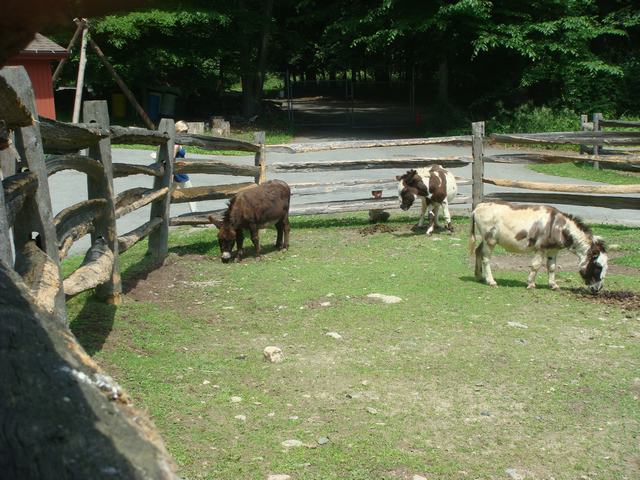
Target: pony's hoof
531, 286
492, 283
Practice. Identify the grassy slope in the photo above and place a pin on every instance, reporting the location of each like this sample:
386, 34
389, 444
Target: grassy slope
587, 172
459, 393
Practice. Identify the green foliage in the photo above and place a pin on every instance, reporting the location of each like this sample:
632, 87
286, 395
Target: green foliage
528, 118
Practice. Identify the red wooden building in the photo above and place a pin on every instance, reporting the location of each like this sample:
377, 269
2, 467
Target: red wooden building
36, 58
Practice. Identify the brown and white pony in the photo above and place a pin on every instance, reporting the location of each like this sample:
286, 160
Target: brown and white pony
435, 186
252, 209
540, 229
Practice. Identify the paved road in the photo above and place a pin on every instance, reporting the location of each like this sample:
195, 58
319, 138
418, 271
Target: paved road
69, 187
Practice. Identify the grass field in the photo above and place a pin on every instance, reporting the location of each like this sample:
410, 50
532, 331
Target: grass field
458, 380
588, 172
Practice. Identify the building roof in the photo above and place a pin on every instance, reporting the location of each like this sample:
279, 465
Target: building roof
41, 46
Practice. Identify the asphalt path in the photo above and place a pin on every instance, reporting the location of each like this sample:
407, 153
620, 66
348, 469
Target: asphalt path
69, 187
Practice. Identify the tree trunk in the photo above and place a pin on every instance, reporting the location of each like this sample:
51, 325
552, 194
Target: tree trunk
443, 81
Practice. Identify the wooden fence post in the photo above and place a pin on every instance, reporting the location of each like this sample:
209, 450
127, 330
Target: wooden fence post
596, 128
104, 225
260, 157
159, 239
36, 215
584, 120
6, 255
477, 169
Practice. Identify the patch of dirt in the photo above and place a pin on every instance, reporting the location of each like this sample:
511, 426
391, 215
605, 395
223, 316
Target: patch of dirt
622, 298
377, 228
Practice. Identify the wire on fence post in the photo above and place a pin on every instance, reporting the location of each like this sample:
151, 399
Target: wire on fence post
159, 239
97, 112
477, 170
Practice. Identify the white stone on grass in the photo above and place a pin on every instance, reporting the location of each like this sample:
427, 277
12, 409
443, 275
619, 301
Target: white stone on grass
242, 418
514, 474
236, 399
273, 354
335, 335
517, 325
279, 476
385, 298
419, 477
293, 443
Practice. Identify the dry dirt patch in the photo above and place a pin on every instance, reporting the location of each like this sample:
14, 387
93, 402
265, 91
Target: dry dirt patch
377, 228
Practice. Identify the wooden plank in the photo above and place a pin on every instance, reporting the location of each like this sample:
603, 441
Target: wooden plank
12, 109
619, 123
6, 254
371, 163
216, 143
559, 157
614, 202
402, 142
82, 64
97, 112
80, 25
129, 239
569, 138
40, 275
17, 189
564, 187
136, 198
477, 169
95, 270
77, 220
126, 169
74, 161
60, 137
216, 168
159, 238
36, 215
210, 192
135, 135
260, 158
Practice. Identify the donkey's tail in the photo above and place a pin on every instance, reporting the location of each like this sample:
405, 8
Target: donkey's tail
472, 234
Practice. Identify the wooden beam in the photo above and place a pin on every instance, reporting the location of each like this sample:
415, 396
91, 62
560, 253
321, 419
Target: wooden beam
216, 168
6, 253
127, 93
72, 221
559, 157
136, 198
564, 187
12, 109
567, 199
40, 275
569, 138
79, 29
260, 158
74, 161
17, 189
477, 169
403, 142
60, 137
128, 240
82, 64
126, 169
95, 269
371, 163
142, 136
619, 123
211, 192
216, 143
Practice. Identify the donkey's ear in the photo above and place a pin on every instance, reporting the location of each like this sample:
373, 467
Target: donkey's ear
215, 221
399, 177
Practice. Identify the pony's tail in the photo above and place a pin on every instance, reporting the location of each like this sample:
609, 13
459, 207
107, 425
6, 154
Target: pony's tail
472, 234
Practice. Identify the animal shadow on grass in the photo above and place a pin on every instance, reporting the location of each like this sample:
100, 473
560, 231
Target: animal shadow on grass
501, 282
209, 247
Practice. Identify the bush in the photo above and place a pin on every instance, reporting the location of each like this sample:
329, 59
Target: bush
531, 119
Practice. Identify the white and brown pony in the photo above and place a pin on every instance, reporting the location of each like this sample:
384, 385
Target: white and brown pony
435, 186
539, 229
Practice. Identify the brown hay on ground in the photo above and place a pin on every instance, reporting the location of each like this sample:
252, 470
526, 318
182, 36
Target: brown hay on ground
622, 298
377, 228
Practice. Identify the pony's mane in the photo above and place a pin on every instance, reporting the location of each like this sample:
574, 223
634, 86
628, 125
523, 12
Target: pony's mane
580, 224
226, 217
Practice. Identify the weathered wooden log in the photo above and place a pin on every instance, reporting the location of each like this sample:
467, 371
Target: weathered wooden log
6, 253
75, 221
559, 157
213, 192
126, 169
73, 235
197, 218
128, 240
316, 188
136, 198
158, 245
60, 137
477, 169
216, 168
135, 135
74, 161
95, 269
619, 123
79, 29
402, 142
40, 274
564, 187
55, 398
17, 189
569, 138
216, 143
614, 202
371, 163
12, 109
36, 215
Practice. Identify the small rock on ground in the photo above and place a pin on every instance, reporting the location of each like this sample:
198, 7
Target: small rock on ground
236, 399
372, 410
273, 354
323, 441
517, 325
335, 335
419, 477
292, 443
242, 418
279, 476
385, 298
514, 474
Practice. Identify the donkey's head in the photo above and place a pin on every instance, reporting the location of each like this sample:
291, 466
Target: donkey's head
594, 268
226, 238
407, 188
